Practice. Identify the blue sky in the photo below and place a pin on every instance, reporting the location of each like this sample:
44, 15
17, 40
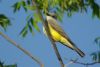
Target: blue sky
81, 28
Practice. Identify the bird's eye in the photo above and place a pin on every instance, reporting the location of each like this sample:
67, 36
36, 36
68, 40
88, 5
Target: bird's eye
54, 17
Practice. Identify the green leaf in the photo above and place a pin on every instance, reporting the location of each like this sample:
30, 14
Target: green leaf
36, 17
16, 6
24, 4
97, 41
96, 10
34, 24
29, 7
24, 31
28, 2
30, 28
96, 56
15, 65
2, 65
28, 17
4, 21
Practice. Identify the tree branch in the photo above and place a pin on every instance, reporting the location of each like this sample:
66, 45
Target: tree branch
45, 24
81, 63
87, 64
22, 49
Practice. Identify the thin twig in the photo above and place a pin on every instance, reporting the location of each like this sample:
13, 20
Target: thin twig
81, 63
45, 24
22, 49
87, 64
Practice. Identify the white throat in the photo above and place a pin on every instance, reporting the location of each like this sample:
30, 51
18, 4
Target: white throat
51, 18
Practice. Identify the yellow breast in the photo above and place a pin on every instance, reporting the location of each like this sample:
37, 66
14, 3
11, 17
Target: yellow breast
56, 36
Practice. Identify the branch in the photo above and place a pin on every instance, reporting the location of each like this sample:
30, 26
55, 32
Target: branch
81, 63
45, 24
87, 64
22, 49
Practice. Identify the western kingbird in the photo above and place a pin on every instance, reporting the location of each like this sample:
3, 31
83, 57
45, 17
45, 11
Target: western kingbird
58, 33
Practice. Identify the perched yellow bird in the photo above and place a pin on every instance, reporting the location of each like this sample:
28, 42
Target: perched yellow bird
59, 35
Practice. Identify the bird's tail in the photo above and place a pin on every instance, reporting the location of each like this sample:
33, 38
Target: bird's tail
79, 52
70, 44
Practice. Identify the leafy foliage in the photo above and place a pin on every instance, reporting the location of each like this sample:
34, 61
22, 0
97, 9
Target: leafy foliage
2, 65
97, 41
18, 5
4, 21
29, 26
10, 65
68, 7
96, 55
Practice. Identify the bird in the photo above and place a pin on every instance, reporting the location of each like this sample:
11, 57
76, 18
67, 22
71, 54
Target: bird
58, 34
